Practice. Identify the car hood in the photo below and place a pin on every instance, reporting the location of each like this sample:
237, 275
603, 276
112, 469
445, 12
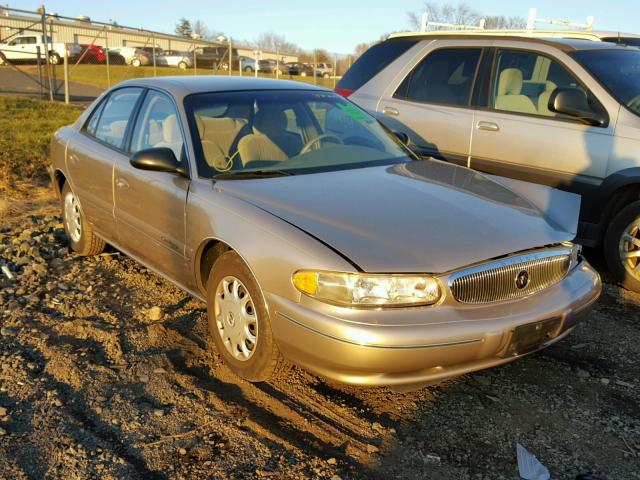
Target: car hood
424, 216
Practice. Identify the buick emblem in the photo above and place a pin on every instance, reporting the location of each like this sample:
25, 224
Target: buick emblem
522, 280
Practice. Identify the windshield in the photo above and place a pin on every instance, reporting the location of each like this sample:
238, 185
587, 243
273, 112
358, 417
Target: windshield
286, 132
619, 70
629, 41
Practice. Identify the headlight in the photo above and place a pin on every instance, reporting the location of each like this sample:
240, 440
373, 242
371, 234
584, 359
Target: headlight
368, 290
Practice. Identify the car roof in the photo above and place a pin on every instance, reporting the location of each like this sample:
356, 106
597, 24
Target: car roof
566, 43
181, 86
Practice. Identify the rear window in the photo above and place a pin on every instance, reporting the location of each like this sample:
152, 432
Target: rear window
373, 61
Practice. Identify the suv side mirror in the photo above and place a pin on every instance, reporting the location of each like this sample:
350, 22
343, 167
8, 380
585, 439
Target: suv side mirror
160, 159
574, 102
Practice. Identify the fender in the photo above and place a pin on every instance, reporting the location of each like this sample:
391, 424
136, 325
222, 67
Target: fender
617, 180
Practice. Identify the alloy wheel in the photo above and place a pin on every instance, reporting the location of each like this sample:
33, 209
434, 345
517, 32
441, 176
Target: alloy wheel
72, 217
236, 318
629, 249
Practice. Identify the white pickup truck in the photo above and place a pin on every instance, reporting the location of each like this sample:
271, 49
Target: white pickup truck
24, 48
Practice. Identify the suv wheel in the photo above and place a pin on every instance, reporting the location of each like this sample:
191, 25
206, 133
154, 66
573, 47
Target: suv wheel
136, 62
248, 69
81, 237
182, 65
239, 320
54, 58
622, 247
326, 75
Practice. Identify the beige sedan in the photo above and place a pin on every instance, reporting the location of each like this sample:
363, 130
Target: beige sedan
315, 236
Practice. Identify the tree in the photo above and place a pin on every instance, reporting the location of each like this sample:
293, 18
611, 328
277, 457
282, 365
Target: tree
273, 41
461, 14
201, 29
183, 28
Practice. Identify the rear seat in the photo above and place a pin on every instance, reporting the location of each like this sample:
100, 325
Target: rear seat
219, 136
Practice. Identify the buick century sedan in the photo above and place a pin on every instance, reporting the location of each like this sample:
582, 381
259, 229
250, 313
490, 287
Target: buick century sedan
313, 234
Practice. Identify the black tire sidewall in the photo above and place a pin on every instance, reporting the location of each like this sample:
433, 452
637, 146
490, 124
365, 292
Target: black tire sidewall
54, 58
260, 366
612, 241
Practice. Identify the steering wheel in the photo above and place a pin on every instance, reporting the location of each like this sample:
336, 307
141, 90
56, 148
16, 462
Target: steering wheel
319, 138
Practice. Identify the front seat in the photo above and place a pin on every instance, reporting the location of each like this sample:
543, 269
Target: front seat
543, 100
171, 137
270, 140
509, 96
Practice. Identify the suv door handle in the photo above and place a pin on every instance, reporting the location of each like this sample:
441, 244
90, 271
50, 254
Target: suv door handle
390, 111
488, 126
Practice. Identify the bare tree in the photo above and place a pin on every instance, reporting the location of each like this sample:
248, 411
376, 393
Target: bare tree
274, 41
201, 29
462, 14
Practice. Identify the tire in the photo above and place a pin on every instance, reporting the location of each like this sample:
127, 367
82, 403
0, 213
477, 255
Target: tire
303, 74
136, 62
54, 58
80, 233
3, 59
182, 65
248, 69
326, 75
260, 359
616, 241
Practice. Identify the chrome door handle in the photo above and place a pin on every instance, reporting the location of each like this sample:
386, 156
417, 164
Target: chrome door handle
121, 183
488, 126
390, 111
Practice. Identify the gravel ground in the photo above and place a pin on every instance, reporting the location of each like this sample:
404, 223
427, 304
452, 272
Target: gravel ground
106, 372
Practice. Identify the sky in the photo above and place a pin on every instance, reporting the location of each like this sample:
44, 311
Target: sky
335, 25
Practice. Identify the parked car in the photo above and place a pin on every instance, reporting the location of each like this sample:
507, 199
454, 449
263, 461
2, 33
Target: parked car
545, 110
175, 58
324, 69
298, 68
313, 234
133, 56
264, 66
24, 48
93, 54
215, 57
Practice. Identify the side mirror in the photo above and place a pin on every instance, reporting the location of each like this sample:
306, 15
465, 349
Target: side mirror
403, 137
574, 102
161, 159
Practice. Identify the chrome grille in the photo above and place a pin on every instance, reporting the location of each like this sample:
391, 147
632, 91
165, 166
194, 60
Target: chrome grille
496, 281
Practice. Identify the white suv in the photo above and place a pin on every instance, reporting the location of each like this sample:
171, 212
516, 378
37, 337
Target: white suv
558, 111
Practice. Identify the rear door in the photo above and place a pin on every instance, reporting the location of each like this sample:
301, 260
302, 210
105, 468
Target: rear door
516, 135
150, 206
432, 102
92, 153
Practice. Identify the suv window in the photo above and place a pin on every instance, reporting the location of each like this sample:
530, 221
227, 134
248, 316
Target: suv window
157, 125
524, 81
373, 61
113, 122
444, 76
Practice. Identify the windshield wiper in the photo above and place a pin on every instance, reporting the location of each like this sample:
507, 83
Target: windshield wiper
240, 174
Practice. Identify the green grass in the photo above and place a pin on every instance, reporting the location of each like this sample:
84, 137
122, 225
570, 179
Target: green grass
26, 126
97, 74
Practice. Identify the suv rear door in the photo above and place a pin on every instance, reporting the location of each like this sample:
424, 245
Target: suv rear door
516, 135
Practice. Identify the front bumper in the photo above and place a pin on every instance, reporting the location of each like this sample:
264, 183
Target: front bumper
416, 345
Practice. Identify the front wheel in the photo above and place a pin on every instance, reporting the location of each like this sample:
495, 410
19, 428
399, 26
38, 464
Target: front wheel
3, 59
326, 75
622, 247
54, 58
136, 62
81, 237
182, 66
239, 320
248, 69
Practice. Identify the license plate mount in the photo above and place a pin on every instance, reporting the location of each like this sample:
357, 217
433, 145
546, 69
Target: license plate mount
531, 336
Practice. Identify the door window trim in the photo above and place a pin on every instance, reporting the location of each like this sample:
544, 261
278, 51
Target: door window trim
491, 93
133, 114
472, 88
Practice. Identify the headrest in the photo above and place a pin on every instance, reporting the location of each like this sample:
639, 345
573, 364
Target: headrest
208, 126
510, 82
270, 119
171, 130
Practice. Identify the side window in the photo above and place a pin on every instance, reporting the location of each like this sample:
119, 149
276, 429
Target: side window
31, 40
157, 125
114, 120
92, 124
444, 76
524, 81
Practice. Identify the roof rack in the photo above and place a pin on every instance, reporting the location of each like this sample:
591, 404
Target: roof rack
425, 24
533, 19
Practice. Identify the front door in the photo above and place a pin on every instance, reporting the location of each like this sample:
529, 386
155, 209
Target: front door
150, 206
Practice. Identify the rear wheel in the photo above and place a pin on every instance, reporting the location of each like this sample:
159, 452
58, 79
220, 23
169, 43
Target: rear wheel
239, 320
326, 75
136, 62
182, 65
3, 59
622, 247
81, 237
248, 69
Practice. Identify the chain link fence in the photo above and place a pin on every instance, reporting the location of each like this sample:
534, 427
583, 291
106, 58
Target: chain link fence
75, 59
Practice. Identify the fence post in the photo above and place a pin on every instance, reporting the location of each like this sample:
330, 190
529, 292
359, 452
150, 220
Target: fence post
195, 60
39, 61
277, 63
335, 68
315, 66
50, 47
153, 46
106, 48
66, 77
46, 51
230, 55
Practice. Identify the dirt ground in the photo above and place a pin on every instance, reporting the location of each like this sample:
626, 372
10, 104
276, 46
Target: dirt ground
96, 383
